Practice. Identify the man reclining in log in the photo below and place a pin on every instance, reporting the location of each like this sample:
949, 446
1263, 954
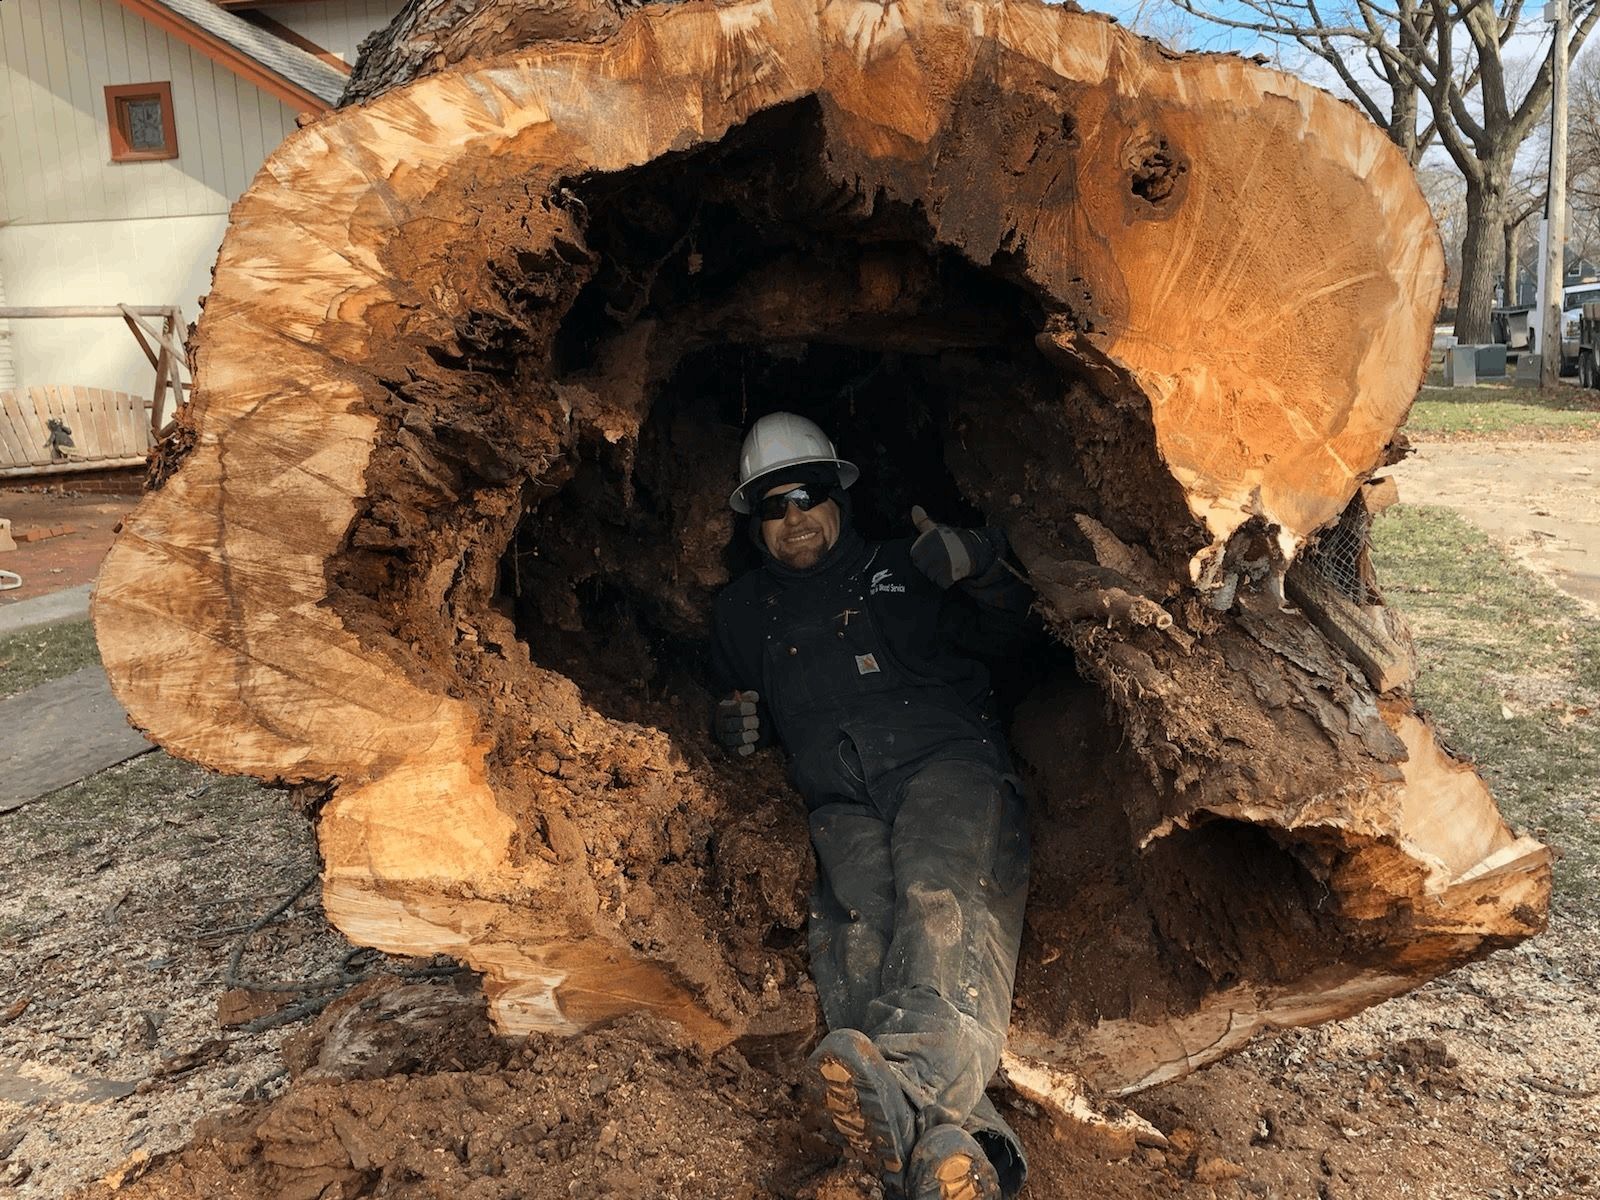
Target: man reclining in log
857, 658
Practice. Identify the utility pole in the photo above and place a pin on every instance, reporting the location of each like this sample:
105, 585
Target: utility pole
1555, 204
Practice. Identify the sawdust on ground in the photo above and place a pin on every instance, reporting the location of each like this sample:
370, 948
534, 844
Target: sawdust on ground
1541, 500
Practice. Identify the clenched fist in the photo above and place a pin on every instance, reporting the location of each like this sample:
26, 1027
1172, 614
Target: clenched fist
738, 723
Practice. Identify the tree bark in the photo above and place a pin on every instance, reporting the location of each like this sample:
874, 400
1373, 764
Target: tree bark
450, 506
428, 35
1487, 212
1403, 91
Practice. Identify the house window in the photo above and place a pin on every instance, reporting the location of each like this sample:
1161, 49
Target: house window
142, 128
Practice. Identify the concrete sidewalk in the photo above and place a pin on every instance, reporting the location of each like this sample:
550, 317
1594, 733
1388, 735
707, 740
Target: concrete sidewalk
61, 732
69, 604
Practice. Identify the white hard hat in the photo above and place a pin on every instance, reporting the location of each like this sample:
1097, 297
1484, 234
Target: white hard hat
777, 442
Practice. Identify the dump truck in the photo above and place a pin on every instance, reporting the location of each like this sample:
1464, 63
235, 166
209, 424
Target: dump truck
1589, 345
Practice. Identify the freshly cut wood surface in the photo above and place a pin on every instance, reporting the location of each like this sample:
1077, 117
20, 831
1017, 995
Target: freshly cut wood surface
1217, 292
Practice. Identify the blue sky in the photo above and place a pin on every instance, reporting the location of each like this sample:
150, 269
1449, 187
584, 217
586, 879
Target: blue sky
1204, 37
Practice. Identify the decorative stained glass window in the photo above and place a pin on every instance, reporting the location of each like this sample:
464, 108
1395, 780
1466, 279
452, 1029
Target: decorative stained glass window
144, 124
140, 116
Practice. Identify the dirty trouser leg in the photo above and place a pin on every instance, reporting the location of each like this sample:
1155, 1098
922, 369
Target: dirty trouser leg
852, 910
959, 847
1000, 1145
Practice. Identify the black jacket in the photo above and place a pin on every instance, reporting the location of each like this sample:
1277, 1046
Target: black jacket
865, 669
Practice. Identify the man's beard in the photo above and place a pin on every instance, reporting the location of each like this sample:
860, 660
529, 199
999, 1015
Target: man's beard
805, 553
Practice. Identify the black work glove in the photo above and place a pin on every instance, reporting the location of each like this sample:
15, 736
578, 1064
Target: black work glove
947, 556
738, 723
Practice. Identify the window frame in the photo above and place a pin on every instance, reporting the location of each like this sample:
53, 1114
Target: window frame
117, 97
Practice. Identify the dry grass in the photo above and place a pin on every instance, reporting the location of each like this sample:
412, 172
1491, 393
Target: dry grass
31, 658
1510, 673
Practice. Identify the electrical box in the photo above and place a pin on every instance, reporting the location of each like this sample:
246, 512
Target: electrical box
1461, 366
1491, 361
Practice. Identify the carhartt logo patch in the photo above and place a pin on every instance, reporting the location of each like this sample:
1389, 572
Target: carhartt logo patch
881, 583
867, 664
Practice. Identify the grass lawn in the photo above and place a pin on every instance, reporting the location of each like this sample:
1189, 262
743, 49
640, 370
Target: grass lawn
1503, 412
1510, 674
31, 658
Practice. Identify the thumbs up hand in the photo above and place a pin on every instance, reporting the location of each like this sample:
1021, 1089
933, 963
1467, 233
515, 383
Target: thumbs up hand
947, 556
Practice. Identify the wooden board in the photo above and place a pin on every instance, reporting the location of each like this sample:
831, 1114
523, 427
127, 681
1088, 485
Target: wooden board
61, 732
96, 401
12, 447
33, 426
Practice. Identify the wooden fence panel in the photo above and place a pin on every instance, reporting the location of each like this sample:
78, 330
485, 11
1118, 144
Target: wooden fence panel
33, 425
96, 442
14, 453
108, 429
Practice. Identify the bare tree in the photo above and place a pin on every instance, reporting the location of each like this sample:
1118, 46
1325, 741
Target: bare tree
1583, 157
1451, 55
1446, 195
1162, 22
1517, 237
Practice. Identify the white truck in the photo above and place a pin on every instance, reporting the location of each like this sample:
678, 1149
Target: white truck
1573, 300
1589, 344
1518, 330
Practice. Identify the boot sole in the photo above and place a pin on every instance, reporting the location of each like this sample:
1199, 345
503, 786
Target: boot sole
958, 1180
842, 1102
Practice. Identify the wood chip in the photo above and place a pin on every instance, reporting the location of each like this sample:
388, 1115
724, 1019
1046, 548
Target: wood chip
179, 1064
239, 1006
15, 1009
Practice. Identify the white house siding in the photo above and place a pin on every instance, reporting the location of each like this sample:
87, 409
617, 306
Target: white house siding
8, 372
79, 229
161, 260
336, 25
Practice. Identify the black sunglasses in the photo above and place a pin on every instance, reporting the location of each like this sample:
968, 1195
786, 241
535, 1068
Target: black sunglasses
773, 508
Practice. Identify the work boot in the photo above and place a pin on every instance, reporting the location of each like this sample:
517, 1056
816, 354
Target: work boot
862, 1098
948, 1164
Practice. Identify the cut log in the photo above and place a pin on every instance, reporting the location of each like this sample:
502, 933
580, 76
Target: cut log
441, 528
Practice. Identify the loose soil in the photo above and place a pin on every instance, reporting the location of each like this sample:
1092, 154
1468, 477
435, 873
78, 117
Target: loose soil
70, 559
1482, 1084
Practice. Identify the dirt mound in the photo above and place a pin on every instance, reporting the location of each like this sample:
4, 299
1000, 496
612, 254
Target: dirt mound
404, 1090
633, 1110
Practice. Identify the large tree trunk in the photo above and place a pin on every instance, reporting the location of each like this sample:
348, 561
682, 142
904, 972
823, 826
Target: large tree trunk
1487, 212
1404, 95
442, 525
